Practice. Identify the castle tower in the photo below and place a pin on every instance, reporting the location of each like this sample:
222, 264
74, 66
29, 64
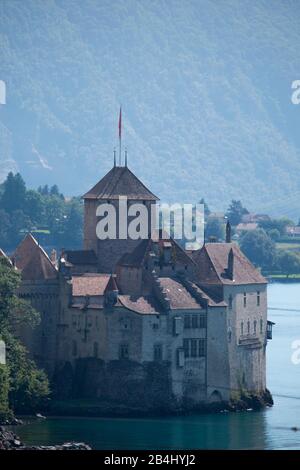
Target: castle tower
118, 183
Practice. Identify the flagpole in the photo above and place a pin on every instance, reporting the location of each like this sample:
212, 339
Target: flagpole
120, 136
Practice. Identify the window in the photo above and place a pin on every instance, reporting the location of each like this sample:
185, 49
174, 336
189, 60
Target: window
201, 347
187, 321
261, 326
193, 348
96, 349
242, 328
195, 321
202, 321
157, 352
124, 351
248, 327
254, 326
245, 299
258, 299
186, 347
178, 325
230, 302
74, 348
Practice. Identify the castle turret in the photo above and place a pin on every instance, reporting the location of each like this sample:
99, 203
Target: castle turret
119, 189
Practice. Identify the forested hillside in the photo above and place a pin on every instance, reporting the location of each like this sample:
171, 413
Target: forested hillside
205, 87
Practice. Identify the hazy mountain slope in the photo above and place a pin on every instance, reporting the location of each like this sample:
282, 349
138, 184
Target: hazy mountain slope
205, 88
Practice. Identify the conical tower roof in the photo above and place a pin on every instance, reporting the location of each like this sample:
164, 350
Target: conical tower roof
33, 261
120, 181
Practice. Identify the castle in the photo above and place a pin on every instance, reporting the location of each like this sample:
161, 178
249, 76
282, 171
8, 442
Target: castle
143, 323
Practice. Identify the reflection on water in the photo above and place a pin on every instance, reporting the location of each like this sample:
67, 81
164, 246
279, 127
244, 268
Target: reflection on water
269, 429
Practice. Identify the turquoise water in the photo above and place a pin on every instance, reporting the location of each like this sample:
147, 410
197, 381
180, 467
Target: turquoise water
269, 429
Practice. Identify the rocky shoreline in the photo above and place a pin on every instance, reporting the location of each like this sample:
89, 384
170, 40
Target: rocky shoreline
10, 441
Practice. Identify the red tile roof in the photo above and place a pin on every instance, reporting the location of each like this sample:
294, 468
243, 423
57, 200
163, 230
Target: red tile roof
212, 261
89, 284
139, 304
33, 261
177, 294
120, 181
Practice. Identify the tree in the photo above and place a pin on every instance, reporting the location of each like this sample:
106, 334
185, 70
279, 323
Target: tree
13, 196
274, 234
34, 206
54, 190
206, 208
235, 212
214, 228
288, 262
259, 248
28, 386
5, 228
278, 224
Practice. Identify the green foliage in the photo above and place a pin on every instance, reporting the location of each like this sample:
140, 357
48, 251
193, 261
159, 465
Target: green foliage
235, 212
288, 262
259, 248
274, 234
214, 228
23, 388
13, 196
44, 211
276, 224
188, 132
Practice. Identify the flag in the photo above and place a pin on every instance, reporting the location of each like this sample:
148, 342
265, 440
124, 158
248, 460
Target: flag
120, 123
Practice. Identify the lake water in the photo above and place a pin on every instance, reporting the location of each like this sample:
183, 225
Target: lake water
268, 429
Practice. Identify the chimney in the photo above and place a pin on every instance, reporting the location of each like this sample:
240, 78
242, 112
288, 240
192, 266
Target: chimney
230, 269
111, 292
228, 232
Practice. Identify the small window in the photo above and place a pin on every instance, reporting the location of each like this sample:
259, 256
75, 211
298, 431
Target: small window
245, 299
187, 321
124, 351
201, 347
193, 348
258, 299
96, 350
248, 327
261, 326
230, 302
195, 321
186, 348
157, 352
254, 326
242, 328
202, 321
